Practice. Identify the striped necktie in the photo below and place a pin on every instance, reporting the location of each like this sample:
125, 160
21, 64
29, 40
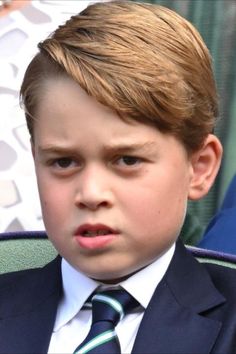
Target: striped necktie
108, 308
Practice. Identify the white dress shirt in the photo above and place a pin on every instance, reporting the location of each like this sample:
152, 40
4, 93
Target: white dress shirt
72, 322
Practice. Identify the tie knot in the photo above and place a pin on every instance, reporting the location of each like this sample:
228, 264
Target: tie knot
112, 305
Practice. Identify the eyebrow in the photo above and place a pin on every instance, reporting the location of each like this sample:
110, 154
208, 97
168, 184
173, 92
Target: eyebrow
130, 147
122, 147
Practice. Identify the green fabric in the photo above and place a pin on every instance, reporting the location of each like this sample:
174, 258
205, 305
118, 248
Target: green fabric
217, 261
25, 254
192, 230
216, 21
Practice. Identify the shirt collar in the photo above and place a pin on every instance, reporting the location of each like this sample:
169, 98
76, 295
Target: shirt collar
143, 283
77, 287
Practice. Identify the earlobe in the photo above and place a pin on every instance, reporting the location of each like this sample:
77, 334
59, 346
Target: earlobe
205, 166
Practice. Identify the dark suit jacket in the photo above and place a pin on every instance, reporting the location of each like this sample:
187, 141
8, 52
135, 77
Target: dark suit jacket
192, 311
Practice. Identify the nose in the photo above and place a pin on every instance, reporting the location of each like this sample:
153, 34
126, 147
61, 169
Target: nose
93, 190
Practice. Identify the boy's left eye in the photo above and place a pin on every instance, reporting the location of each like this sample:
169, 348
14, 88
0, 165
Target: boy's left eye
128, 160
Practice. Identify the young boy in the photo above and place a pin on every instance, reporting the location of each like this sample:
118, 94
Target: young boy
121, 104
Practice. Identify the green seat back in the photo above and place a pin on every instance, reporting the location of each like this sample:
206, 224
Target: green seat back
24, 250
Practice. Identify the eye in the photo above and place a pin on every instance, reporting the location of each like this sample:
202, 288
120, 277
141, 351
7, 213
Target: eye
129, 160
64, 162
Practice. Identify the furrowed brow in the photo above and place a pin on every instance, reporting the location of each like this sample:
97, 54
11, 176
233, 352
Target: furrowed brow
130, 147
55, 150
119, 148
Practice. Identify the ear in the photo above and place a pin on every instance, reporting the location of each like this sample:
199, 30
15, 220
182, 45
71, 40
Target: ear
205, 166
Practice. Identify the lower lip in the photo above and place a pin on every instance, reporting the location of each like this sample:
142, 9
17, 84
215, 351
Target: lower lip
95, 242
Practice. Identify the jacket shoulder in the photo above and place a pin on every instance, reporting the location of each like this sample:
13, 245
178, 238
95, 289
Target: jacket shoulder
20, 291
223, 277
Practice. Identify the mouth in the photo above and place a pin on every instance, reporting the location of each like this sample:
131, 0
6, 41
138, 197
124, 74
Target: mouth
94, 236
88, 230
100, 232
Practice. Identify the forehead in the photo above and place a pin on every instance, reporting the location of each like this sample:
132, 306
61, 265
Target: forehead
63, 95
64, 104
67, 117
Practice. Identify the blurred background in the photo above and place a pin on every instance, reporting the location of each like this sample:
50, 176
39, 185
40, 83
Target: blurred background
23, 23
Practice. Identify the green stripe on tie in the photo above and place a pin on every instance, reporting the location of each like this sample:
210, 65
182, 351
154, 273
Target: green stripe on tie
96, 341
112, 302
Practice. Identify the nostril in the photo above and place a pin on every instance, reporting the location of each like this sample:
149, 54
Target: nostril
92, 205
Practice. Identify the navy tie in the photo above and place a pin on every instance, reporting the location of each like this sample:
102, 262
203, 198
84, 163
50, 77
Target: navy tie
108, 308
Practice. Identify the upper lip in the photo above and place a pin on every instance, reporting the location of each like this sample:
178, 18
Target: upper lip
93, 228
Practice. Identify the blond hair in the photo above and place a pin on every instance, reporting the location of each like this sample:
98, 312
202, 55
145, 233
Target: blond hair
144, 61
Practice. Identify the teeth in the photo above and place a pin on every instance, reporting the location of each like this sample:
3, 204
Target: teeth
90, 233
104, 232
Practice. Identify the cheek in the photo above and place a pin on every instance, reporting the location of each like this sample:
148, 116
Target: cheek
54, 199
160, 207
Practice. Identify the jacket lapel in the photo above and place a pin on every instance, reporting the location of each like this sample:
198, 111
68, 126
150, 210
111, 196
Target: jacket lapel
173, 322
31, 317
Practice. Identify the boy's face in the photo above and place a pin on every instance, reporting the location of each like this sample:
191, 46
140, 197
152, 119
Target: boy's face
113, 193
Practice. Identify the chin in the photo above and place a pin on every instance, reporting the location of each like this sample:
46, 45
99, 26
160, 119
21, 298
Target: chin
113, 278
